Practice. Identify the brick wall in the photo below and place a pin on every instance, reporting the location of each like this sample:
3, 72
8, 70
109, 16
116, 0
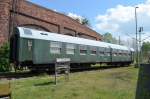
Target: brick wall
30, 15
4, 21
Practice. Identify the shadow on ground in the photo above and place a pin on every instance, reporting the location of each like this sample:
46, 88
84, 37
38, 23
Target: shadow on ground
45, 83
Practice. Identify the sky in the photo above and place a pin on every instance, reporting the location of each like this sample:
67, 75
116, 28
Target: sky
114, 16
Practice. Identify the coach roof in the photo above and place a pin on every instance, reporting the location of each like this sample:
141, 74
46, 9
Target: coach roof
36, 34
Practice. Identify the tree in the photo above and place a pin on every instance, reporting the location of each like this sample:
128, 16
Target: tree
4, 58
80, 19
107, 37
85, 21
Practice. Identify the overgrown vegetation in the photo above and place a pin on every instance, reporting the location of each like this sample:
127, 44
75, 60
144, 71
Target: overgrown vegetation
117, 83
4, 58
107, 37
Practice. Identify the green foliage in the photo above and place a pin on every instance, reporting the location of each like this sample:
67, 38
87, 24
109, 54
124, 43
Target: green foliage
85, 21
146, 51
4, 58
107, 37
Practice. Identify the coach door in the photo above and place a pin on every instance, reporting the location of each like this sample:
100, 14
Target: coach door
29, 49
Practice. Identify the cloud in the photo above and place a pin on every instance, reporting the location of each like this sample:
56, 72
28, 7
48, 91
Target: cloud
75, 16
107, 26
148, 1
120, 20
119, 14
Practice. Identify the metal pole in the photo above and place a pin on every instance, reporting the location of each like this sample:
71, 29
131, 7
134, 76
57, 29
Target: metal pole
140, 44
137, 54
140, 56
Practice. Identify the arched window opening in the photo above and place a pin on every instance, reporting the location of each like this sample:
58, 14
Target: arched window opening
37, 27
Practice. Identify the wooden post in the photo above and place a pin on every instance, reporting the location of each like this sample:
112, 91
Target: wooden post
5, 90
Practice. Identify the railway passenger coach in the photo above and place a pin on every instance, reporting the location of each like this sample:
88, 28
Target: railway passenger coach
35, 48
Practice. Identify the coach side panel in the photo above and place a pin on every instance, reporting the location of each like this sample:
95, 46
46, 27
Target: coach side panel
25, 50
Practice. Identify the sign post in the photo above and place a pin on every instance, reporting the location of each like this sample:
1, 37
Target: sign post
62, 66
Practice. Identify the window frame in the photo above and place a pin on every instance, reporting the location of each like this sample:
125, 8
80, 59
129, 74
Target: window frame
107, 52
93, 49
55, 45
70, 48
84, 49
101, 51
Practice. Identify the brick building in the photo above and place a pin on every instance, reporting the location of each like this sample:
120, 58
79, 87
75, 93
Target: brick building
24, 13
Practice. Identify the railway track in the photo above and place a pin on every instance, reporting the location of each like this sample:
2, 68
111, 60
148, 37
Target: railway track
26, 74
14, 75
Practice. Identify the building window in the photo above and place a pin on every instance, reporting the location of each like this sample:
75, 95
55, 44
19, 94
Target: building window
55, 47
70, 48
83, 50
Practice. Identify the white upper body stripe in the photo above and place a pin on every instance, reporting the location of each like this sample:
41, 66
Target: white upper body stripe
36, 34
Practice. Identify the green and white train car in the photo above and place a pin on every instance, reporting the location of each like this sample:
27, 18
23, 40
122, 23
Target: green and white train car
33, 48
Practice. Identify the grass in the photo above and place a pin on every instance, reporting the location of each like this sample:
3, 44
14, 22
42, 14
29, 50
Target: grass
117, 83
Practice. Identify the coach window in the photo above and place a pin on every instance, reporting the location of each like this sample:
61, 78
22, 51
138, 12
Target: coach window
93, 50
120, 53
55, 47
125, 53
114, 54
107, 52
70, 48
83, 50
29, 45
101, 51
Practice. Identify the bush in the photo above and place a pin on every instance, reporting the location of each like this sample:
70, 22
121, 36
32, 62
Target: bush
4, 58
